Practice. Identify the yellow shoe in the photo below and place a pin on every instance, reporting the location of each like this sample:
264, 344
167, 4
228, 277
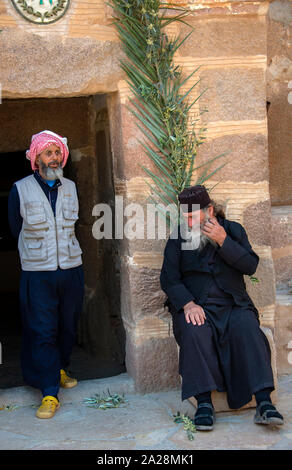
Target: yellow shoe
48, 407
66, 381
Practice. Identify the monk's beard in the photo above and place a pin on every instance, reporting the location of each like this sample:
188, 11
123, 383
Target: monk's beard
49, 173
199, 240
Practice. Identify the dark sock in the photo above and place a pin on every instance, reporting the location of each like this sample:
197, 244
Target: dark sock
263, 395
204, 420
204, 398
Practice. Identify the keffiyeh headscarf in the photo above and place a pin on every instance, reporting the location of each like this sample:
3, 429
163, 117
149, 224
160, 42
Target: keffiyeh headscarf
42, 140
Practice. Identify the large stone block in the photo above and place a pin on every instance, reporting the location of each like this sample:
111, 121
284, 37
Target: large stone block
153, 363
279, 60
235, 94
134, 156
257, 221
225, 36
283, 331
146, 294
262, 292
57, 68
246, 157
282, 242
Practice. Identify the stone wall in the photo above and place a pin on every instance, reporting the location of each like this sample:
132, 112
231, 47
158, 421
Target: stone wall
77, 55
230, 43
279, 96
279, 85
232, 52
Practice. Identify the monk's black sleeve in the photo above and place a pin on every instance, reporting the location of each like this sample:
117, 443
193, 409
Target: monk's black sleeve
239, 253
170, 276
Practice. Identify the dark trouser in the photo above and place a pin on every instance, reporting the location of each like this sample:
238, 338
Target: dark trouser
240, 364
51, 302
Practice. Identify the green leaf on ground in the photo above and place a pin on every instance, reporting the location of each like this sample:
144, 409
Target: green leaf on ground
188, 424
104, 402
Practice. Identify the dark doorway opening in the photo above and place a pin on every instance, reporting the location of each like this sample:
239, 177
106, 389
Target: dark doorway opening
100, 346
14, 166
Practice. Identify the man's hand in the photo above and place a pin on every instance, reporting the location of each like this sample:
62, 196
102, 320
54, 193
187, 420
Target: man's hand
214, 230
194, 313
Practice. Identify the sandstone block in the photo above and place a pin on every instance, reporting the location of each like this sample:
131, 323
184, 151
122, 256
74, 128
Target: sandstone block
225, 36
246, 157
262, 292
283, 332
282, 242
257, 221
235, 94
82, 66
153, 364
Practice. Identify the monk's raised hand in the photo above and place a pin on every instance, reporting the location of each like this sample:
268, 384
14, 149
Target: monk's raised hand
214, 230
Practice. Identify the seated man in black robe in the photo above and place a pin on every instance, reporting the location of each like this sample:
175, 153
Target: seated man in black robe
215, 322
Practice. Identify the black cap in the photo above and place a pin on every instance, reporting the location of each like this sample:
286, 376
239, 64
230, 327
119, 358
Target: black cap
194, 195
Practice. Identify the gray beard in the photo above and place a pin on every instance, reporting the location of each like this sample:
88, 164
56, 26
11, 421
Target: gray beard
51, 174
198, 240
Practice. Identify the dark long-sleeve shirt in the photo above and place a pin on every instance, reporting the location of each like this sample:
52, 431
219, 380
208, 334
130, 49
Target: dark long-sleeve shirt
188, 274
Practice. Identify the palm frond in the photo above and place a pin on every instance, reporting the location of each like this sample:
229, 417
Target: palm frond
160, 108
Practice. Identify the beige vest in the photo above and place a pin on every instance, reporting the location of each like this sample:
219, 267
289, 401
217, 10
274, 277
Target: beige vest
47, 242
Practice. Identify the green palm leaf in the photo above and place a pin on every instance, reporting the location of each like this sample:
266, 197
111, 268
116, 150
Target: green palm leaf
160, 109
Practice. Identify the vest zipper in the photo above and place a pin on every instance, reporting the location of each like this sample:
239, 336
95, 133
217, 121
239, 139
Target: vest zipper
56, 228
57, 242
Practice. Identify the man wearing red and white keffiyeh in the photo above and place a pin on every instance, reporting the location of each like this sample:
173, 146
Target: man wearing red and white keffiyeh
43, 209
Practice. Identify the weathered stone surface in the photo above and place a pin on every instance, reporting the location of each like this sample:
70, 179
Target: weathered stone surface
283, 267
283, 332
281, 226
262, 292
147, 297
235, 94
134, 156
153, 364
279, 116
54, 68
280, 11
282, 242
229, 36
237, 196
257, 222
245, 159
279, 73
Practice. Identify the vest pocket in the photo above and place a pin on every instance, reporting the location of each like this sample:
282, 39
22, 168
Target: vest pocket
35, 250
74, 248
35, 212
70, 214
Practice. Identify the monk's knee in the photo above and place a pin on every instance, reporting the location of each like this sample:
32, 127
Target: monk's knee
243, 324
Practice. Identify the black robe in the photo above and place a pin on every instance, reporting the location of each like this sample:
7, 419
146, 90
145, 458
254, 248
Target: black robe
229, 352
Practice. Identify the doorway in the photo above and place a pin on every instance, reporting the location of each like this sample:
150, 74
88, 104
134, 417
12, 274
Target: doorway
100, 348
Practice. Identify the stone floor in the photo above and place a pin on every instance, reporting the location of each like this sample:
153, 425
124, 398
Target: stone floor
145, 422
